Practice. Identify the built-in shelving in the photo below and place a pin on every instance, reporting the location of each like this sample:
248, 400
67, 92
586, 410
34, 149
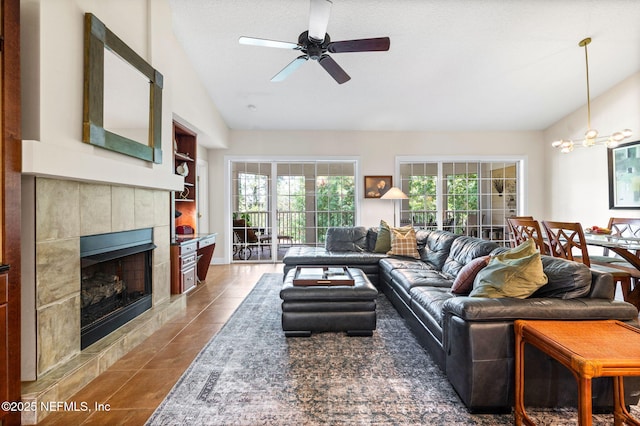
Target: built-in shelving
184, 206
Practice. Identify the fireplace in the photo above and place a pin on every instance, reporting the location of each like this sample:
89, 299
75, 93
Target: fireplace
116, 278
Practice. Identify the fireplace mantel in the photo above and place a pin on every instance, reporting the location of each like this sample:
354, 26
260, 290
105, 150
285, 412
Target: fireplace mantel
80, 163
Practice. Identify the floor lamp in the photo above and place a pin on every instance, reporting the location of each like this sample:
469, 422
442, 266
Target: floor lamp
394, 194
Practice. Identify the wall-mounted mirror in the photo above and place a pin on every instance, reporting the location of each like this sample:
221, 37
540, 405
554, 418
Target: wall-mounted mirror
122, 96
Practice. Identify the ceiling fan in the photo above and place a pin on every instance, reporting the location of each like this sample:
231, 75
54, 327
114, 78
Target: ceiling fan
315, 43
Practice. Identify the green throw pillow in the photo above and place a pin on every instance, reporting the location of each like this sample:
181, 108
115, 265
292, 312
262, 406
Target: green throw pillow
514, 273
383, 242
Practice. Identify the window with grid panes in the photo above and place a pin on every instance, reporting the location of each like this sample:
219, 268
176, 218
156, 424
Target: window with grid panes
465, 197
308, 197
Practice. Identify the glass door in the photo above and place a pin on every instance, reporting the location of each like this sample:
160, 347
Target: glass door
276, 205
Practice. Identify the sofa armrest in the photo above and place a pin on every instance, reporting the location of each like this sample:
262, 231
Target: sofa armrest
510, 309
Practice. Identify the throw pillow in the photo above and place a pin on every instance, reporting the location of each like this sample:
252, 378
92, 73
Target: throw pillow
464, 280
514, 273
404, 244
383, 242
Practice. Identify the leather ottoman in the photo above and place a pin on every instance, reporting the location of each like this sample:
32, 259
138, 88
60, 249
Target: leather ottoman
329, 308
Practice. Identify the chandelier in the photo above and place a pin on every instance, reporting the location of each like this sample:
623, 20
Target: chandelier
591, 136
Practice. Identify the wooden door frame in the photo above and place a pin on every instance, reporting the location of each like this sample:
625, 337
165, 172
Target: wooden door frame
11, 197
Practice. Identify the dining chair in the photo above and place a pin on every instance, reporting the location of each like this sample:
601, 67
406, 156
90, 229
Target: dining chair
567, 238
522, 229
628, 227
621, 227
510, 229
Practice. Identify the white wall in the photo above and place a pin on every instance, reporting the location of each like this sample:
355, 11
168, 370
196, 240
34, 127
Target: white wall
377, 152
576, 184
52, 77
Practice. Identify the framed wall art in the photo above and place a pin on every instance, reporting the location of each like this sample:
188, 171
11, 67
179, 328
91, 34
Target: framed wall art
376, 186
624, 176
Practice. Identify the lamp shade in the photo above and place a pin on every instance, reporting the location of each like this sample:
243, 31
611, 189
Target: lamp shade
394, 193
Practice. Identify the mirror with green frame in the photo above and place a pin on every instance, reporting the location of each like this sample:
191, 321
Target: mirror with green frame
122, 96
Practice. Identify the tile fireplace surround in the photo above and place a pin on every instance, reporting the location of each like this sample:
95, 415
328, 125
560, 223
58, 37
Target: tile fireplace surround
63, 211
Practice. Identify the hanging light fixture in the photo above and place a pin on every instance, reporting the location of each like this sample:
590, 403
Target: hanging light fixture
591, 136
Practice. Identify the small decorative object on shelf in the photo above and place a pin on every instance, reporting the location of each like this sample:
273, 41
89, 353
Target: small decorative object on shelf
185, 193
183, 169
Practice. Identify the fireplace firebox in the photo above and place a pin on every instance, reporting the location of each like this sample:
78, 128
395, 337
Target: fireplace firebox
116, 272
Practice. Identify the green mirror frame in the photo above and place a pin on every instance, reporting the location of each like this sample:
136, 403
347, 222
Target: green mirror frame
97, 37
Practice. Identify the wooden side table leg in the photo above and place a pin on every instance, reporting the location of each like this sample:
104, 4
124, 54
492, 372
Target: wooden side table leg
584, 401
620, 413
520, 415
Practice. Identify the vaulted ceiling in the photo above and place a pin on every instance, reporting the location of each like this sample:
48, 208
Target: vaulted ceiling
453, 65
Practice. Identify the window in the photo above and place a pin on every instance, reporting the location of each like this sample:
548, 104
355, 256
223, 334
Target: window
308, 197
465, 197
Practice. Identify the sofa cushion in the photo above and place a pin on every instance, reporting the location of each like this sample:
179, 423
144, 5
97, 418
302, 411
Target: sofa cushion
426, 303
421, 238
409, 278
463, 284
351, 238
436, 248
403, 243
372, 237
567, 280
464, 250
390, 263
304, 255
515, 273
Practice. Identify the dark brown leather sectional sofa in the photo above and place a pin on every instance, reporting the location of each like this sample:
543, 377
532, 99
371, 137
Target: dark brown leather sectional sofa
471, 338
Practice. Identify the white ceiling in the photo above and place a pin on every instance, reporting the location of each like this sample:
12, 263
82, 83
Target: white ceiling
453, 65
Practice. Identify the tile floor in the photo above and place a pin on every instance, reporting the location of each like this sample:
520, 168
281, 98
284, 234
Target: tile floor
135, 385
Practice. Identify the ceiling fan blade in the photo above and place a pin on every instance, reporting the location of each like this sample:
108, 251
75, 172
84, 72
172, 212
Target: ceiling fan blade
251, 41
293, 65
319, 19
334, 69
362, 45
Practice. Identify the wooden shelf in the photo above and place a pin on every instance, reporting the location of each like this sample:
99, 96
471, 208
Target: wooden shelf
182, 156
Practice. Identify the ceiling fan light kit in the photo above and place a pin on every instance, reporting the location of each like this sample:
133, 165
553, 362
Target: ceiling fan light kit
315, 43
591, 136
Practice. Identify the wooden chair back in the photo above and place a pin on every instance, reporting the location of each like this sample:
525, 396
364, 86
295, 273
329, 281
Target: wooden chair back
564, 238
512, 240
524, 229
624, 227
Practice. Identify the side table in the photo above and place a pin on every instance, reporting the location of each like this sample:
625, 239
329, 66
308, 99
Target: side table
589, 349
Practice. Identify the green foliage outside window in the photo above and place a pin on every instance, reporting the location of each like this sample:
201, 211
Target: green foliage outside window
335, 198
333, 204
461, 196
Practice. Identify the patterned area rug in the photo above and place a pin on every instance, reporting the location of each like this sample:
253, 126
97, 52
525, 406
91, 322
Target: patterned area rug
250, 374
